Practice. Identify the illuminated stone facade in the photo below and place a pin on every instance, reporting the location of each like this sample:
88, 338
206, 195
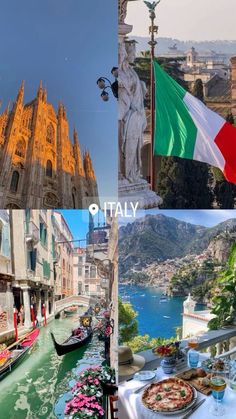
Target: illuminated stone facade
39, 166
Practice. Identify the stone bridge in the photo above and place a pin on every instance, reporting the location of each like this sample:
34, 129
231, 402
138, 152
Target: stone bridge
73, 300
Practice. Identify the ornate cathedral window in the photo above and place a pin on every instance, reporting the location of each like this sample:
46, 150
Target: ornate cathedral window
50, 134
14, 181
20, 148
49, 168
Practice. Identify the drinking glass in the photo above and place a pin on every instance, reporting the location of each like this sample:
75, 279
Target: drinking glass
218, 386
193, 355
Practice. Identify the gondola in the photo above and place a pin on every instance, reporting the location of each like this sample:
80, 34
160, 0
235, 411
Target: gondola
73, 342
18, 352
71, 311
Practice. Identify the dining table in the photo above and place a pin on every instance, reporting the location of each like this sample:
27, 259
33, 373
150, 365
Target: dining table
131, 406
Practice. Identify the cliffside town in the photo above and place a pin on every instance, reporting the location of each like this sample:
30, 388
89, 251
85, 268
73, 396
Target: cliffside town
194, 272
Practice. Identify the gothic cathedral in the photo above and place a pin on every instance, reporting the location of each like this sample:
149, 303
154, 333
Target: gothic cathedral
39, 166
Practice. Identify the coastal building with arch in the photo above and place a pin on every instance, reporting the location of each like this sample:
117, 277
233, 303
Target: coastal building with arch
39, 165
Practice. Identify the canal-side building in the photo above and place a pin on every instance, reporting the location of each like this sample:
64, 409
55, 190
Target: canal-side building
6, 278
87, 280
64, 249
33, 263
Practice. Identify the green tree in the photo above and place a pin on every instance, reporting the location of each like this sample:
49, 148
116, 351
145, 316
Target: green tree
224, 301
142, 343
184, 183
128, 325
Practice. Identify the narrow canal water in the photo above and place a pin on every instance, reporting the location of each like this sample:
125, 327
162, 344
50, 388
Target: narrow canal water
40, 385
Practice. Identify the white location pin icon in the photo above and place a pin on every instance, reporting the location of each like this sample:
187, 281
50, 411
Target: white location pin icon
93, 209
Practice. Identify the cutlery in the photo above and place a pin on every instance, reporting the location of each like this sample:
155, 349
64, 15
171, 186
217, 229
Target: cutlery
195, 407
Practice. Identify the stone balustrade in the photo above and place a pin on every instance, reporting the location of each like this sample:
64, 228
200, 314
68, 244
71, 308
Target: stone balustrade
216, 342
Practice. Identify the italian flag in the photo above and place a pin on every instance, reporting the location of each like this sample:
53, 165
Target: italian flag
185, 127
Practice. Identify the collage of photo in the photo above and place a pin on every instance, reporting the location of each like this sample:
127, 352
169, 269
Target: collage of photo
118, 275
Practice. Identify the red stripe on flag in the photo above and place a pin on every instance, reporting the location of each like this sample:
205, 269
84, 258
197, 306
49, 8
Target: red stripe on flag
226, 141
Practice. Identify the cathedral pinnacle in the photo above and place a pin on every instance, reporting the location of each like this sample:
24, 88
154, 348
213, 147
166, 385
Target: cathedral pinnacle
45, 95
75, 136
60, 109
20, 94
40, 90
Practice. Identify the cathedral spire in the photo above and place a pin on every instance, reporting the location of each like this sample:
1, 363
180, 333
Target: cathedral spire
64, 112
75, 136
45, 95
77, 154
7, 110
40, 90
60, 110
20, 95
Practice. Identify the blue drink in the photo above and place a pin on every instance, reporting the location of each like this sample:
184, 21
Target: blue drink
218, 395
193, 358
218, 386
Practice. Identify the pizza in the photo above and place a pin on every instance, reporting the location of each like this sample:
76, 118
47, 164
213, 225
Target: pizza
168, 395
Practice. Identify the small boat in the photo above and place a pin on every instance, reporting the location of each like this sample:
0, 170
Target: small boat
166, 317
71, 311
74, 342
142, 295
10, 358
164, 298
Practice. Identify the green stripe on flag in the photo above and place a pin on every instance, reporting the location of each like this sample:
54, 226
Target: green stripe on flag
175, 132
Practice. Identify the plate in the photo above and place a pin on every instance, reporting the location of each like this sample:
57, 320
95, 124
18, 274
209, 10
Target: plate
144, 375
208, 366
175, 412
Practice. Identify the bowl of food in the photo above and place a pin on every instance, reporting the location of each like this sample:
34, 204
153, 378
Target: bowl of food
212, 365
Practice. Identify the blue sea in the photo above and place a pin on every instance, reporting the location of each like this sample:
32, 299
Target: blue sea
155, 318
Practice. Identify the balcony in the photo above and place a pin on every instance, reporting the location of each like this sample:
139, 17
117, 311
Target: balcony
215, 342
31, 232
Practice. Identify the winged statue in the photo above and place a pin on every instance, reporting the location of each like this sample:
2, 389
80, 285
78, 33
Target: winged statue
152, 5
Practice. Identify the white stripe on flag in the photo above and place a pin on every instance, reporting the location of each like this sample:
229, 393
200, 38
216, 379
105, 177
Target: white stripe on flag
208, 125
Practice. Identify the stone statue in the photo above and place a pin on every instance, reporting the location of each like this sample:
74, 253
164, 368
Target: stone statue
152, 6
132, 121
132, 117
122, 10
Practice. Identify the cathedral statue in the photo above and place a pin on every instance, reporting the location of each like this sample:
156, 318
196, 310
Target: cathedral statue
152, 6
132, 123
132, 117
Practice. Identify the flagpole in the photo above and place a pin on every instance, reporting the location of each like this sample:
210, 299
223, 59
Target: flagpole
153, 29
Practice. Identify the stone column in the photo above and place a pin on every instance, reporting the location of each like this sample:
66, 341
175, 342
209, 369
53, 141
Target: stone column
53, 302
39, 305
9, 306
26, 304
46, 303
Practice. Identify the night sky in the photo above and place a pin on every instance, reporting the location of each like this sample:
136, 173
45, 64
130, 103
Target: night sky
68, 44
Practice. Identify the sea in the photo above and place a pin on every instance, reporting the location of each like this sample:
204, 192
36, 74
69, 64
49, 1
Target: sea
155, 318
